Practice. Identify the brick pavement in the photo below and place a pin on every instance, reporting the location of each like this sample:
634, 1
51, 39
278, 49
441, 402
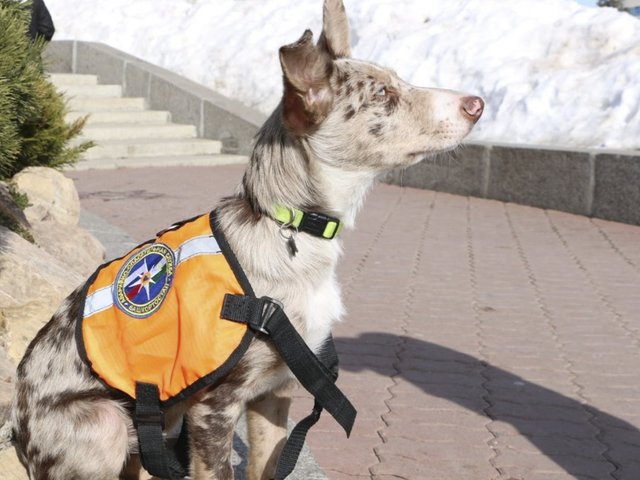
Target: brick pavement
483, 340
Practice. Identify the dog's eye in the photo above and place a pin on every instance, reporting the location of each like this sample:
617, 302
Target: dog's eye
381, 92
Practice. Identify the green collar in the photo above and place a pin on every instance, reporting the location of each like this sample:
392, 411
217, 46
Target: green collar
317, 224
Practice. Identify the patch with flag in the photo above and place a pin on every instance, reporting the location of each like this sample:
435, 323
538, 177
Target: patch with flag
144, 280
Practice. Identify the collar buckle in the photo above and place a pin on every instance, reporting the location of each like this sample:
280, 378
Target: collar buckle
317, 223
313, 223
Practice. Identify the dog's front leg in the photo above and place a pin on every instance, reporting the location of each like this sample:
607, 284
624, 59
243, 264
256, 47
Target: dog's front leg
211, 423
267, 431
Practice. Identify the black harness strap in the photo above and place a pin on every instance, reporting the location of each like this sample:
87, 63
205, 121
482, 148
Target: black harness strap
267, 316
317, 376
293, 447
156, 458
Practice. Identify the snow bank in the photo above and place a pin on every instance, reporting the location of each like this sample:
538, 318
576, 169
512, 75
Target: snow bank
551, 71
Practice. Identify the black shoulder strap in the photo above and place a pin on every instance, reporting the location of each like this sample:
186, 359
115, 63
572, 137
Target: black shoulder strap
156, 458
291, 451
267, 316
318, 377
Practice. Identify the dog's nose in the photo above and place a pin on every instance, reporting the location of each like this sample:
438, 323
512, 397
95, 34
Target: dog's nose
472, 107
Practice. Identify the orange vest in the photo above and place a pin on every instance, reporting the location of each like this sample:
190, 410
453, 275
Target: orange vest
153, 316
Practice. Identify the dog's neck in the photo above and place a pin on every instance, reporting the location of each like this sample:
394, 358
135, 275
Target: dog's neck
294, 172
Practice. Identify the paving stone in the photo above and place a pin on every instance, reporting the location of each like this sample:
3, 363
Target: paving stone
364, 379
532, 373
436, 433
470, 382
557, 445
406, 396
505, 409
544, 475
456, 417
518, 464
373, 362
624, 426
532, 394
354, 459
623, 408
435, 452
542, 428
442, 469
335, 475
438, 367
620, 392
629, 471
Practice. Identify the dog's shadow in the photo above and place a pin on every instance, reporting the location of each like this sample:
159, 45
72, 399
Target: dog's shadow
583, 440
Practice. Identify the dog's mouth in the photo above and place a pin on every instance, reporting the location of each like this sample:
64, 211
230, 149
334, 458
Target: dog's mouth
417, 157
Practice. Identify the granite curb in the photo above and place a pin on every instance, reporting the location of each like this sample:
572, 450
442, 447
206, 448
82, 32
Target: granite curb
591, 182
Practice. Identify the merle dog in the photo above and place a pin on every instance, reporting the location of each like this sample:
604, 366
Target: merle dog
341, 122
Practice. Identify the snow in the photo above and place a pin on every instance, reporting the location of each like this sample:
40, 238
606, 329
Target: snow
551, 72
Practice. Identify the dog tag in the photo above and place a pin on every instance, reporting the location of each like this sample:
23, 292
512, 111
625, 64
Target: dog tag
291, 243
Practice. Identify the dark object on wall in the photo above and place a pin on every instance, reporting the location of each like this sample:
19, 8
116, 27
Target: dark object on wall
41, 24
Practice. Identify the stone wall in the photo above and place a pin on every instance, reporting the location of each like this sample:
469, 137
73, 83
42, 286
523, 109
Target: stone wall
598, 183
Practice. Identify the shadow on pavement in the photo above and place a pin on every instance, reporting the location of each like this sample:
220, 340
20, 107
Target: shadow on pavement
583, 440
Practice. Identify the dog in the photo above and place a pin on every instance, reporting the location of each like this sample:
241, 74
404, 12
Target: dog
341, 123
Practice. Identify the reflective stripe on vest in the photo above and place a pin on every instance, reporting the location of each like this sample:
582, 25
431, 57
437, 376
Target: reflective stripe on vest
153, 316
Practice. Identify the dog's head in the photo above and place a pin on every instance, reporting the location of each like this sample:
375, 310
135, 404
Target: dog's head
356, 113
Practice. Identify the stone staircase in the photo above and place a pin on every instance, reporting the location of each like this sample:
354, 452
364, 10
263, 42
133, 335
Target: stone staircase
128, 134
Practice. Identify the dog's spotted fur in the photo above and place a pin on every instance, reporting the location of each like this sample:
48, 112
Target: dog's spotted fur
341, 122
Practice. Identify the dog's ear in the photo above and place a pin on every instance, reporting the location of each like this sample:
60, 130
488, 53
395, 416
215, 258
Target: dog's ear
335, 29
307, 93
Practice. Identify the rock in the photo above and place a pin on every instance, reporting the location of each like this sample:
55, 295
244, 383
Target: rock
52, 195
54, 215
7, 375
24, 322
28, 272
70, 244
33, 283
7, 378
10, 466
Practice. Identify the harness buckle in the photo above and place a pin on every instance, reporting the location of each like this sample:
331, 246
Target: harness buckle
269, 307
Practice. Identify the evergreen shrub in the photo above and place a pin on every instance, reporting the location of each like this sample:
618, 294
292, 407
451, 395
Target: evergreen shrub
33, 131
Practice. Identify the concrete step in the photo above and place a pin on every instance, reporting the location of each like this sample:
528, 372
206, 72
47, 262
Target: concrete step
112, 149
127, 134
96, 104
99, 91
118, 131
147, 116
164, 161
59, 79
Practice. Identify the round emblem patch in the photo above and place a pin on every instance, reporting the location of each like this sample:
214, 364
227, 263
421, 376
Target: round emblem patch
144, 280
